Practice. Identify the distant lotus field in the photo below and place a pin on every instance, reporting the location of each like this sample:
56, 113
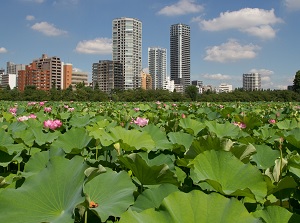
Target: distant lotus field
86, 162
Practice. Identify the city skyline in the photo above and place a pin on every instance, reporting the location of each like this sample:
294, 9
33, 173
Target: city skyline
227, 38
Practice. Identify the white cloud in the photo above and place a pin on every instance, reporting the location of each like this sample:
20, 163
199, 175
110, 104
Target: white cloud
182, 7
231, 51
3, 50
253, 21
216, 76
292, 4
66, 2
263, 72
48, 29
95, 46
34, 1
30, 17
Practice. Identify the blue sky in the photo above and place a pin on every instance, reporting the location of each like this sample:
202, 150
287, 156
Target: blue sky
228, 38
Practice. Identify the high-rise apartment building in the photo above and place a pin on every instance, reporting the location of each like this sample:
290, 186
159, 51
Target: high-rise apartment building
157, 64
127, 49
54, 65
12, 73
35, 76
107, 75
180, 55
252, 81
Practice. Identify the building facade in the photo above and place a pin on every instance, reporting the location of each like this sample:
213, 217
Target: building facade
225, 88
252, 82
54, 65
127, 49
146, 81
12, 73
79, 77
108, 75
34, 75
157, 64
67, 75
180, 54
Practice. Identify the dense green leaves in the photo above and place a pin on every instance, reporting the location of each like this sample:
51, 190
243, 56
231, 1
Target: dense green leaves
48, 196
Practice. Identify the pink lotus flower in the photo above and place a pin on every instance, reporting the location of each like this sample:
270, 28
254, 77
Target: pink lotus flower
241, 125
22, 118
31, 103
183, 115
71, 109
13, 110
272, 121
52, 124
47, 109
136, 109
42, 103
158, 102
141, 121
32, 116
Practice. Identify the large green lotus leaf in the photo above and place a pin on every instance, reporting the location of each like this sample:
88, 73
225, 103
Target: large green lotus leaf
152, 198
16, 127
191, 124
208, 142
276, 214
79, 121
7, 143
42, 138
37, 162
226, 129
294, 165
228, 175
159, 137
112, 191
193, 207
26, 136
181, 138
288, 124
48, 196
6, 159
265, 156
133, 139
74, 139
99, 133
293, 137
267, 134
243, 152
148, 174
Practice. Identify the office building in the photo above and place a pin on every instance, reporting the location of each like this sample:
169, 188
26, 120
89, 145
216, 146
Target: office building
12, 73
107, 75
157, 64
252, 82
127, 49
180, 55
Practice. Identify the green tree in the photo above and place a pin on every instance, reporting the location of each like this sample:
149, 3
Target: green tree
192, 92
296, 85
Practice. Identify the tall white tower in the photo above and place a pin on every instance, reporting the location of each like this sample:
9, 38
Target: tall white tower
157, 64
127, 49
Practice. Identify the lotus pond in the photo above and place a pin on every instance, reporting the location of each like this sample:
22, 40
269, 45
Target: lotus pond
68, 162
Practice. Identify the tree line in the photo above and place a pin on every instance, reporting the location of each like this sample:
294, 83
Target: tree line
83, 93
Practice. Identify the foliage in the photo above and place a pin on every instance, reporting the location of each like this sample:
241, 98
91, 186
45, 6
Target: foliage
190, 162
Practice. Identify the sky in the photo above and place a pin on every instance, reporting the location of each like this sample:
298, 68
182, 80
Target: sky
228, 38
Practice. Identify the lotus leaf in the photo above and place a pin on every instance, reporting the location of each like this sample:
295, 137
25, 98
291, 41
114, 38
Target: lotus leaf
112, 191
48, 196
228, 175
193, 207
